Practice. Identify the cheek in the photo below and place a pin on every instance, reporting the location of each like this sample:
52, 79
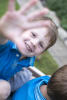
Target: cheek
38, 51
26, 36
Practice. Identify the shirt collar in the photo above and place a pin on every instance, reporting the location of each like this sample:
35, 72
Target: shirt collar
37, 92
14, 46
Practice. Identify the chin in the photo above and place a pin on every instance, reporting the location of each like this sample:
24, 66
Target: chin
28, 55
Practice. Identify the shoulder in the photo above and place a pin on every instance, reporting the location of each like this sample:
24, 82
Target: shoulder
6, 46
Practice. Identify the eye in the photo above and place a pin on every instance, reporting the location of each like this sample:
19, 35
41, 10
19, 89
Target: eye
41, 45
33, 34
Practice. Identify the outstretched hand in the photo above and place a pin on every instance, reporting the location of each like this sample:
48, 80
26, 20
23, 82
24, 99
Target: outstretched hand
13, 23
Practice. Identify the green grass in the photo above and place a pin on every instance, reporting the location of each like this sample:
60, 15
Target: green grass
46, 64
3, 6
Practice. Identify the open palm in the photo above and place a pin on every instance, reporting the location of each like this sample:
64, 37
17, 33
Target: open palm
13, 23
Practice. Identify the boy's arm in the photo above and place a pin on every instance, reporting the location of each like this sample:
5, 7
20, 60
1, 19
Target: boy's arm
14, 23
3, 39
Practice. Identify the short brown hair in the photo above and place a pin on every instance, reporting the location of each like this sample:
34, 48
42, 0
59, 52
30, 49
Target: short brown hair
52, 32
57, 86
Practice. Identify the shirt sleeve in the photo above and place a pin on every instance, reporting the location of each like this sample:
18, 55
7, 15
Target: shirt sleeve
20, 78
5, 47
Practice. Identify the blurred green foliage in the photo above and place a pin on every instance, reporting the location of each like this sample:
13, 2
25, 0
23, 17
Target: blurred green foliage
60, 6
46, 63
3, 6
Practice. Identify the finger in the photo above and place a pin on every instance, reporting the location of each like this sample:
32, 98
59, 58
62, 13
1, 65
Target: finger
28, 6
11, 5
37, 14
37, 24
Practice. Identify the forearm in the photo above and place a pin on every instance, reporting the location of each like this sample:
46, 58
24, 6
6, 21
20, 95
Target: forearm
3, 40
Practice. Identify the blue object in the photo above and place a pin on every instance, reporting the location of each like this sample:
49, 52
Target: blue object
9, 60
31, 90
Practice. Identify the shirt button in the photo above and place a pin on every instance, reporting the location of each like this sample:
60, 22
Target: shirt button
17, 55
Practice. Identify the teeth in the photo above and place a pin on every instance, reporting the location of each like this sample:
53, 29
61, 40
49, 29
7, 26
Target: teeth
28, 47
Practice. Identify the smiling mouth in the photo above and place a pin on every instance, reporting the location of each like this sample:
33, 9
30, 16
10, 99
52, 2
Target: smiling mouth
28, 47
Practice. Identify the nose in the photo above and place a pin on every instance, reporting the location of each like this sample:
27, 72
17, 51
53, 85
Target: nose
34, 42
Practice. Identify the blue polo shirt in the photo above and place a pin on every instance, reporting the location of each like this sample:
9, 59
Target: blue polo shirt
31, 89
9, 60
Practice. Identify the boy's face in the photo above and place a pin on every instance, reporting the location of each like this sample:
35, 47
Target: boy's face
34, 41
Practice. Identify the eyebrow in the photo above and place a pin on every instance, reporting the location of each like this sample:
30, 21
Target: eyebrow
34, 32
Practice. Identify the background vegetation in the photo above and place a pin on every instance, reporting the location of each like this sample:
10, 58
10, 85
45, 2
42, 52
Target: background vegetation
60, 6
46, 63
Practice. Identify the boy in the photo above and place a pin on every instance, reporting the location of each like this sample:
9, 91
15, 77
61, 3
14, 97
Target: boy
31, 38
45, 88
